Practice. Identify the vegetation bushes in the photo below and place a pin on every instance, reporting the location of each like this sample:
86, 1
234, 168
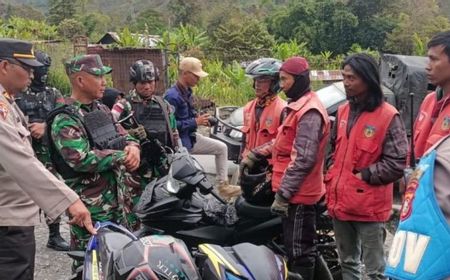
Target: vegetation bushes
224, 38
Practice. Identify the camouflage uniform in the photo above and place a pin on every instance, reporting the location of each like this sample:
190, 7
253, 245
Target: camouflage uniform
124, 108
100, 179
103, 185
36, 106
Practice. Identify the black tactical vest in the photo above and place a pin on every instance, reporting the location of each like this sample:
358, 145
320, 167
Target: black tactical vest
101, 131
152, 117
37, 105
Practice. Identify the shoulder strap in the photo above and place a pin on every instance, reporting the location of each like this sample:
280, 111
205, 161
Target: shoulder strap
163, 106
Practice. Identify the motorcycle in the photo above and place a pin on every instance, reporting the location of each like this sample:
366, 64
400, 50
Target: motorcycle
115, 253
185, 205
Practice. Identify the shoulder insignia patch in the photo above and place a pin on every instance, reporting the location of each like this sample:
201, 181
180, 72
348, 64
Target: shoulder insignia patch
3, 110
369, 131
446, 123
410, 192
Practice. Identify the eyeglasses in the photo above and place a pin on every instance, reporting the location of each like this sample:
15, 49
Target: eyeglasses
15, 62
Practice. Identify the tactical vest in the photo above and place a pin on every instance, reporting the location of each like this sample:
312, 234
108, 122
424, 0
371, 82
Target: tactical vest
154, 119
37, 105
100, 129
420, 248
263, 130
426, 131
312, 188
348, 197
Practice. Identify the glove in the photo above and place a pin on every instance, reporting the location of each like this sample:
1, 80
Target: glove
280, 206
138, 132
249, 162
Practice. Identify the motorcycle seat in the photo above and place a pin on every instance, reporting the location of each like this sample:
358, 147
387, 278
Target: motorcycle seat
246, 209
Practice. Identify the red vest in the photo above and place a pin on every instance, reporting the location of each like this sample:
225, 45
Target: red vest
283, 154
258, 132
426, 131
348, 197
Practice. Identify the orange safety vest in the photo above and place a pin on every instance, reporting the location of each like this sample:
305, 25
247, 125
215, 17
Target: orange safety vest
426, 131
283, 154
348, 197
258, 132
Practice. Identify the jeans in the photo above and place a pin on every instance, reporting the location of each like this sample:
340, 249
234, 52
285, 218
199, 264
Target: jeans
17, 250
354, 238
207, 146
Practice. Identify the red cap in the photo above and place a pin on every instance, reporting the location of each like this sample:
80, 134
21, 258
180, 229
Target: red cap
295, 65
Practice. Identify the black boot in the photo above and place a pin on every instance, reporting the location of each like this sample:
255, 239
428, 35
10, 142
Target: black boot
322, 271
307, 272
55, 241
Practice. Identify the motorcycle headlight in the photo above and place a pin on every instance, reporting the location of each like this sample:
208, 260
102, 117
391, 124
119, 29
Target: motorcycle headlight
236, 134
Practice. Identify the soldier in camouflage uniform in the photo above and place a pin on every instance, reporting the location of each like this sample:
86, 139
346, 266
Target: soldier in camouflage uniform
95, 156
36, 102
154, 119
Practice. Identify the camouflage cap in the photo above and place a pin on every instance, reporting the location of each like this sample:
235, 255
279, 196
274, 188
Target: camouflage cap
90, 63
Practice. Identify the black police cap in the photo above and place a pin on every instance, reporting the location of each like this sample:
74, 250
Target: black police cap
19, 50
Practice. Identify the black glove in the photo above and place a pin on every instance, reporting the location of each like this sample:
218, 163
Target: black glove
138, 132
280, 206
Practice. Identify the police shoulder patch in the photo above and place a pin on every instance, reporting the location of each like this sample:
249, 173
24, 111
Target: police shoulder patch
4, 110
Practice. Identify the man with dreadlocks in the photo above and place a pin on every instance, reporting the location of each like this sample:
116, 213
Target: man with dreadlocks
369, 153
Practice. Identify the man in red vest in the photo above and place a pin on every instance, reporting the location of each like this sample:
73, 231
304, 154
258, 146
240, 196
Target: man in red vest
433, 120
297, 156
369, 153
262, 115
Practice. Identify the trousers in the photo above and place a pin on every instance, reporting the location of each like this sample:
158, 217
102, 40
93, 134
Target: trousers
17, 251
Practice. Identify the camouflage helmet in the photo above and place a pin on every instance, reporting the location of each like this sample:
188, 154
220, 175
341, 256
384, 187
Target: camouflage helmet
143, 71
40, 75
265, 67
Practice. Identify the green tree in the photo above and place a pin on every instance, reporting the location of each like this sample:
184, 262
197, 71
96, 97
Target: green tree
68, 28
60, 10
185, 12
149, 20
95, 24
420, 20
241, 40
325, 25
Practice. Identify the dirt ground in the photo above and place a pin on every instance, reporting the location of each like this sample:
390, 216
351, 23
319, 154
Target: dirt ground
50, 264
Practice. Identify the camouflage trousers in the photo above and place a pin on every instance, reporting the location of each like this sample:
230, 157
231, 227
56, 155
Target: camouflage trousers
115, 203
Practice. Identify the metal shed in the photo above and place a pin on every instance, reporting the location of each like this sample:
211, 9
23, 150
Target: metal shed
121, 59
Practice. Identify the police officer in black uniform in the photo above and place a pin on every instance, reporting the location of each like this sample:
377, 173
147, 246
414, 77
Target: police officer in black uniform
36, 102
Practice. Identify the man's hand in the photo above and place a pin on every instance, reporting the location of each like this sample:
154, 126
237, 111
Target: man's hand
37, 129
249, 162
81, 216
202, 120
280, 206
138, 132
133, 157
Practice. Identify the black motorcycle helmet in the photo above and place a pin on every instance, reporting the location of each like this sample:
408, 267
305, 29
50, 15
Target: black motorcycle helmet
143, 71
41, 73
265, 67
256, 186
